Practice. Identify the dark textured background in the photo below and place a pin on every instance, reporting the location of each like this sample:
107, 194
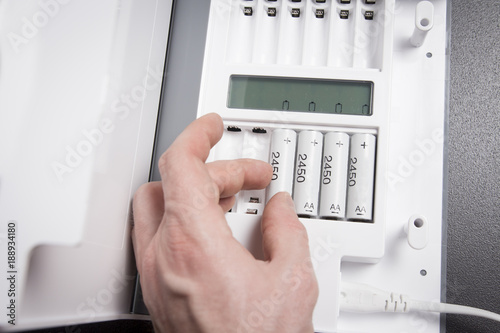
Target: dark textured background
473, 263
473, 267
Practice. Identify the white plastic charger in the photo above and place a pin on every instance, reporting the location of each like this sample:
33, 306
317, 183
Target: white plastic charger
247, 39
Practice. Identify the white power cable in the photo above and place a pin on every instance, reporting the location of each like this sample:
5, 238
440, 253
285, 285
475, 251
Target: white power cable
362, 298
453, 308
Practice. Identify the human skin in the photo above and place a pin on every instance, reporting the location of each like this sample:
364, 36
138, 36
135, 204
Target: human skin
195, 276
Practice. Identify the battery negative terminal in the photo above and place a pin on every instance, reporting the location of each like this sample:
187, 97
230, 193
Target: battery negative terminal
320, 13
233, 129
271, 11
252, 211
248, 11
259, 130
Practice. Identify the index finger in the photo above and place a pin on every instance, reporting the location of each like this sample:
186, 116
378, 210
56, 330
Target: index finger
191, 196
182, 166
195, 141
200, 136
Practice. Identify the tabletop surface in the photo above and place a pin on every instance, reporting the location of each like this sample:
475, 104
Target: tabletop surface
473, 265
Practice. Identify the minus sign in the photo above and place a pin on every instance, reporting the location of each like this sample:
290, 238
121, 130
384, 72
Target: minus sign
307, 210
12, 272
360, 214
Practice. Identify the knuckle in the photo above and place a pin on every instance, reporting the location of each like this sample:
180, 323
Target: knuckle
234, 168
312, 285
294, 228
147, 266
184, 250
165, 159
172, 161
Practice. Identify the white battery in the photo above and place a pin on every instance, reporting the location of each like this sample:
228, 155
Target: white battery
307, 173
267, 30
361, 177
282, 158
289, 46
334, 175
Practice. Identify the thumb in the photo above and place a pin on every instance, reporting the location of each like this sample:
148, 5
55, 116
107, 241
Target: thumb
284, 238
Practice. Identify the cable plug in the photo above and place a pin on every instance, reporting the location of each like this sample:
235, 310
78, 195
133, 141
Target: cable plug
357, 297
362, 298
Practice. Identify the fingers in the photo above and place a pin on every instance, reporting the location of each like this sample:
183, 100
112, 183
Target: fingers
243, 174
284, 238
286, 248
192, 189
227, 203
147, 208
185, 178
199, 137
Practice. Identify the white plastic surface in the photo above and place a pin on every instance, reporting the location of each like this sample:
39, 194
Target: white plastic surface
414, 176
417, 231
365, 55
43, 113
424, 21
407, 126
79, 93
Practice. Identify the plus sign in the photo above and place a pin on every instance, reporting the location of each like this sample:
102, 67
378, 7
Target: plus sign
364, 145
287, 140
314, 142
340, 144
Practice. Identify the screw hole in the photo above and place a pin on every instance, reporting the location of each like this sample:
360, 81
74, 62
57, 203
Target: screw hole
419, 223
424, 22
423, 272
429, 55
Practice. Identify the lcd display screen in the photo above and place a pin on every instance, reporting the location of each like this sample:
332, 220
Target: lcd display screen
300, 95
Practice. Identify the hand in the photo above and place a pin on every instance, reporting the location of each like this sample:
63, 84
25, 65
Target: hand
195, 276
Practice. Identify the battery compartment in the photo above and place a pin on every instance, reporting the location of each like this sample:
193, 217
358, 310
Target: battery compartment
324, 184
323, 33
